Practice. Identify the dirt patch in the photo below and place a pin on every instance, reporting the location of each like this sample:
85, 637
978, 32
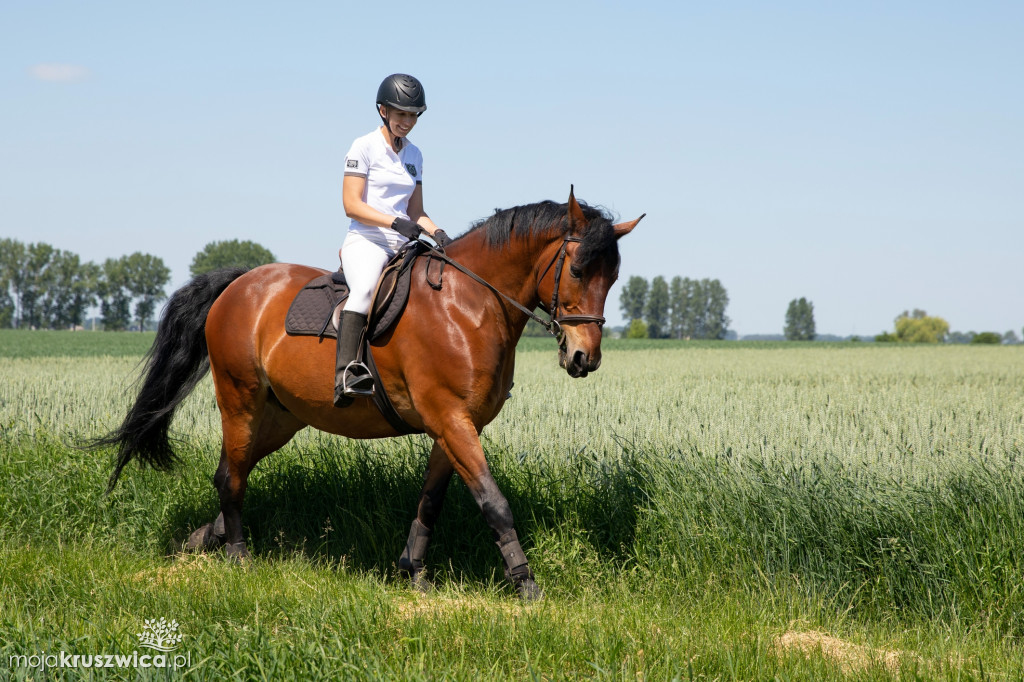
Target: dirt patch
436, 606
850, 657
181, 572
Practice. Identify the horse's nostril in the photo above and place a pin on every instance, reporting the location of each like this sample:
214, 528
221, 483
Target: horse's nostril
579, 359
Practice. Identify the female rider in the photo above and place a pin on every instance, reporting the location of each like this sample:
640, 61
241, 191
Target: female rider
383, 195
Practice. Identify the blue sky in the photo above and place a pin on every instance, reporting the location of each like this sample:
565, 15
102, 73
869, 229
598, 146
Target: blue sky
868, 156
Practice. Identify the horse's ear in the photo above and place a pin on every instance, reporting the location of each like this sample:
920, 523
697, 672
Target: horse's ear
577, 221
622, 229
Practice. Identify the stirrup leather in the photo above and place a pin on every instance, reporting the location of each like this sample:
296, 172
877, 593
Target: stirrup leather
357, 380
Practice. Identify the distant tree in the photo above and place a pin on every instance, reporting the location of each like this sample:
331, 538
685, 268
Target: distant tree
637, 330
988, 337
657, 308
885, 337
115, 297
716, 323
71, 290
919, 327
38, 279
960, 337
13, 271
697, 309
84, 293
800, 320
145, 277
230, 254
633, 298
694, 308
677, 299
1010, 338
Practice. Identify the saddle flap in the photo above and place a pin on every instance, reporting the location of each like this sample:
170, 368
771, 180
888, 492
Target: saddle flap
313, 311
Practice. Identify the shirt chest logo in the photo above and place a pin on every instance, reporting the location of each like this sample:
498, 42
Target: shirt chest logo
411, 168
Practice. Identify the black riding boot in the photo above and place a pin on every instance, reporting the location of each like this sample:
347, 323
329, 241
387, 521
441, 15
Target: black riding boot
351, 378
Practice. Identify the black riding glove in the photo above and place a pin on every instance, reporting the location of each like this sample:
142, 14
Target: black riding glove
406, 228
441, 238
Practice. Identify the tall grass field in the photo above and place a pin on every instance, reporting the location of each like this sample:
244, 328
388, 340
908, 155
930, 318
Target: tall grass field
693, 511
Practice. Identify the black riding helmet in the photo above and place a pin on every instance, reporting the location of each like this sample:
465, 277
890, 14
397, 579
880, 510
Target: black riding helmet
403, 92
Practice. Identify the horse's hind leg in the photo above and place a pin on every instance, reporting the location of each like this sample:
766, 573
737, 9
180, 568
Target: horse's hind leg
435, 484
253, 427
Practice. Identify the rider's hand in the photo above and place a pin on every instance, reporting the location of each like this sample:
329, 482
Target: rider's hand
406, 228
441, 238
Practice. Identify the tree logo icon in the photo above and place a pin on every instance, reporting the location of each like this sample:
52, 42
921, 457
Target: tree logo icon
160, 635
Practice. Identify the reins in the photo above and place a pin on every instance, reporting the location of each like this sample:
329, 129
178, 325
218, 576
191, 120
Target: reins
553, 326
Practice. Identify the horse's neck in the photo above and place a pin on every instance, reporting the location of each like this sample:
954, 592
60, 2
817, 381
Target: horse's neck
511, 268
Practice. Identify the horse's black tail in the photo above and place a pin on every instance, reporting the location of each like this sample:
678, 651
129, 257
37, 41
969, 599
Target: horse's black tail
172, 367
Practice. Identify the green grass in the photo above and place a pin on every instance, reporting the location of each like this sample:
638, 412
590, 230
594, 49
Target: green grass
20, 343
689, 510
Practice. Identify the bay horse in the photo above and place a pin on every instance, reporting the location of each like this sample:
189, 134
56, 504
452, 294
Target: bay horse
447, 364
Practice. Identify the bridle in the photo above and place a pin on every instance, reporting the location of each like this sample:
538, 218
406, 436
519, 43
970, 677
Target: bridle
553, 325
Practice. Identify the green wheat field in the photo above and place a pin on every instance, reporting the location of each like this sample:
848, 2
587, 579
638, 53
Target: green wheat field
693, 511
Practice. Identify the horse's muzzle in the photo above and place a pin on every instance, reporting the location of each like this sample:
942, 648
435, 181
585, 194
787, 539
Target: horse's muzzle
578, 363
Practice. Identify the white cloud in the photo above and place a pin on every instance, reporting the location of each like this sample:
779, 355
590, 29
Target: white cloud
59, 73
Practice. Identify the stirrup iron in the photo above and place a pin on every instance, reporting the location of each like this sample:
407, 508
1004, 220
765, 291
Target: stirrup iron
357, 380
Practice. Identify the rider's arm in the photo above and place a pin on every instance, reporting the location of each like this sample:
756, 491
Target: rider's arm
352, 188
416, 212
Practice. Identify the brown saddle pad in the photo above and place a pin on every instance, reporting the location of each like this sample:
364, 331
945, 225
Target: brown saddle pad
312, 312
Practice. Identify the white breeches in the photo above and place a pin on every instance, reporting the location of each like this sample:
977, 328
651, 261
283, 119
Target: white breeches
362, 261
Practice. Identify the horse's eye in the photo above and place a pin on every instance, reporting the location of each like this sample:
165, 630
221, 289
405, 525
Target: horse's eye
575, 272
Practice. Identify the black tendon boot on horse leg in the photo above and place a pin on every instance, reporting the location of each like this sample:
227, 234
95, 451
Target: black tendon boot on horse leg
517, 570
351, 378
435, 485
411, 561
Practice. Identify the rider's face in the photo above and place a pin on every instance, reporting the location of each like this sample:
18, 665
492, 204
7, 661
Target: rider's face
402, 122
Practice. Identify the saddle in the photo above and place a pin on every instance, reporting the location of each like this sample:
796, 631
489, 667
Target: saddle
315, 310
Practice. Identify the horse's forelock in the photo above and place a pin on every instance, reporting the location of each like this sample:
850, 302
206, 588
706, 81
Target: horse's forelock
598, 242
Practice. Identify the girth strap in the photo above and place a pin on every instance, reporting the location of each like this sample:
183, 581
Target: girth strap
381, 400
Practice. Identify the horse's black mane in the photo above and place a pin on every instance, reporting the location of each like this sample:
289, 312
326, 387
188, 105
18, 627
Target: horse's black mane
549, 218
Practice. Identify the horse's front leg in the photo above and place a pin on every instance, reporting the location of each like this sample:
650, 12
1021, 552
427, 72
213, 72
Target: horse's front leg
435, 485
461, 444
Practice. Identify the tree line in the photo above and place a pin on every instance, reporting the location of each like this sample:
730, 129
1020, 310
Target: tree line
43, 287
681, 309
920, 327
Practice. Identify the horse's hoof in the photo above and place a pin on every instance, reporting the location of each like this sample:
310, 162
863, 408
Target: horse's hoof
237, 552
421, 583
529, 591
203, 539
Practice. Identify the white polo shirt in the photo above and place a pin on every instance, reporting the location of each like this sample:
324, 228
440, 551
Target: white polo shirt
390, 181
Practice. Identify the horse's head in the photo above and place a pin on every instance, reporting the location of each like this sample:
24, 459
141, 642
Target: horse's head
586, 266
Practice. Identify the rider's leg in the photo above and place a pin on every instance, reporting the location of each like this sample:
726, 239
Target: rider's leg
362, 261
352, 379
